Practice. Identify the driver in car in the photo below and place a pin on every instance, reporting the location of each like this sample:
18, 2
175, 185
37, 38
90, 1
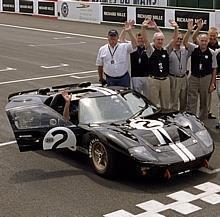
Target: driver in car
70, 111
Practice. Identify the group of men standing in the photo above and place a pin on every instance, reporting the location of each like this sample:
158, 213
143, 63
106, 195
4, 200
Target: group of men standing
160, 72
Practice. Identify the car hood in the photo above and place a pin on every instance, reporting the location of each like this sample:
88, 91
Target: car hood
157, 132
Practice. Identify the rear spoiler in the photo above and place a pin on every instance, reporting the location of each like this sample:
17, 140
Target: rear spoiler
53, 89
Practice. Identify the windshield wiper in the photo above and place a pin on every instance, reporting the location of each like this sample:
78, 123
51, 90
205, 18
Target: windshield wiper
138, 113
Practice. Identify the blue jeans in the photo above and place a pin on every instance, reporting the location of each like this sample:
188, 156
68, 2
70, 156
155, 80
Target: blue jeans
124, 80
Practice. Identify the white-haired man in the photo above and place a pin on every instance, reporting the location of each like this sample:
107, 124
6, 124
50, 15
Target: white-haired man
159, 83
203, 73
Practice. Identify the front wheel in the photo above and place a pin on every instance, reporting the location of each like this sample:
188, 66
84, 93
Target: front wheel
102, 158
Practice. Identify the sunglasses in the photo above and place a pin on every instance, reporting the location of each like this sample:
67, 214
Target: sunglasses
180, 39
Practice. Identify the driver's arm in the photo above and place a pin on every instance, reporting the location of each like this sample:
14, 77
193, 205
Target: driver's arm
66, 111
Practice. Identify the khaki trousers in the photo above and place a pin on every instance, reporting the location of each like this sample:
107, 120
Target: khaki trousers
159, 92
140, 84
178, 93
199, 87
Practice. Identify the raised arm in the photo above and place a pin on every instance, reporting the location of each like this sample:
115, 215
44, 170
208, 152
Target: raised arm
155, 26
122, 35
66, 111
144, 32
195, 34
128, 28
190, 27
174, 39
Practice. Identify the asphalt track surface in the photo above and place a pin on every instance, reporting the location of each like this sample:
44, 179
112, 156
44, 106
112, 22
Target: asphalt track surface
38, 52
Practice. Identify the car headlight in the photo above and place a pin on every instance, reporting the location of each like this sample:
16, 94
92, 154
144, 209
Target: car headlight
141, 153
204, 136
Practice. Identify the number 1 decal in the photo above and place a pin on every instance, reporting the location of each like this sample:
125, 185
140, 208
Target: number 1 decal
59, 137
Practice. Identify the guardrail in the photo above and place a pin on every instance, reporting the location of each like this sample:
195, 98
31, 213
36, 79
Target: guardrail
99, 12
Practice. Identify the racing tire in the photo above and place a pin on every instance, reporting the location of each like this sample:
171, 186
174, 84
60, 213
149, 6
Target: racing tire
102, 158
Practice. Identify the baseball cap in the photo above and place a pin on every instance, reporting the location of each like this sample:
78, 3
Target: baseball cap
112, 32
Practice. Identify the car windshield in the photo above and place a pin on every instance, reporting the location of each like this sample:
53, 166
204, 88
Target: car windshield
113, 108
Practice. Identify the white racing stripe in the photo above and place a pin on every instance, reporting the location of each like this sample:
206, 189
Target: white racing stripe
179, 152
164, 132
186, 151
181, 147
159, 136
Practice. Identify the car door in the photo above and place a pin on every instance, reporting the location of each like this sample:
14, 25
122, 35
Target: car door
38, 127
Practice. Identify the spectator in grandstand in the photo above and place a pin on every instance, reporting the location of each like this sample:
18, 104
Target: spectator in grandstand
203, 72
213, 44
113, 58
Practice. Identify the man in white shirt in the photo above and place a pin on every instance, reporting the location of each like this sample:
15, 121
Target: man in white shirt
113, 58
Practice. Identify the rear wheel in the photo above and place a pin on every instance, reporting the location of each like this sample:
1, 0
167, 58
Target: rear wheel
102, 158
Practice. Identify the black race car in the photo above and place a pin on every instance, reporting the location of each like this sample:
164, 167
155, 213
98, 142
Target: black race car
110, 125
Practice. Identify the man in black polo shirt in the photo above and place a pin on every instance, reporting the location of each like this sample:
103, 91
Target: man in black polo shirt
203, 73
159, 82
213, 44
139, 58
139, 67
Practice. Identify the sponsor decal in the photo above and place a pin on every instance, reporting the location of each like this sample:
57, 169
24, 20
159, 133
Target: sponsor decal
46, 8
157, 14
64, 9
26, 6
114, 14
182, 18
8, 5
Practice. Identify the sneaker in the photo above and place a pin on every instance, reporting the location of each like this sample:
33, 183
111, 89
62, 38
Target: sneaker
211, 116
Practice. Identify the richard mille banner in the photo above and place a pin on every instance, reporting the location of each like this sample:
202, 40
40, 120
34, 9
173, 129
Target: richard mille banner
157, 14
46, 8
182, 18
114, 14
26, 6
8, 5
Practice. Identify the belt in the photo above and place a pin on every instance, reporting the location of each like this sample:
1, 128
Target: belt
200, 76
117, 77
158, 78
178, 76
